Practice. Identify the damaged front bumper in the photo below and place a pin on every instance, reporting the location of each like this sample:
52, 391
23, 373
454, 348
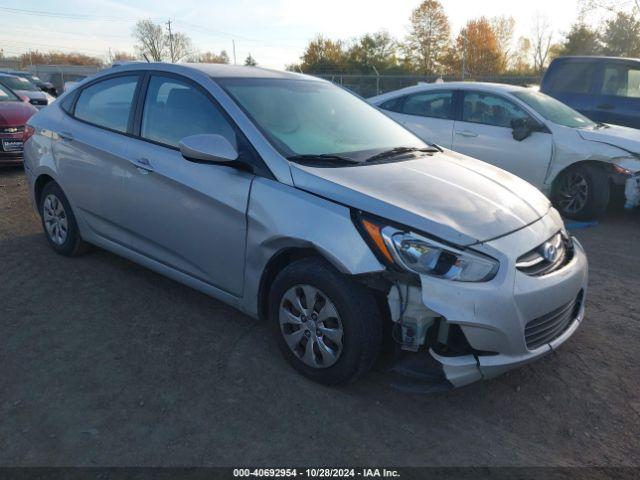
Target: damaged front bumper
503, 320
632, 191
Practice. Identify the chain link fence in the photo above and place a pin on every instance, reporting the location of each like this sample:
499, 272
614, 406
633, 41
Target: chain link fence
371, 85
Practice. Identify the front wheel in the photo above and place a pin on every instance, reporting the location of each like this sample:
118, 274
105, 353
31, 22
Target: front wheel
582, 192
328, 327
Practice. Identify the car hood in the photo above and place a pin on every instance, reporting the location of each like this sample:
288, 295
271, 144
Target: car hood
448, 195
622, 137
15, 114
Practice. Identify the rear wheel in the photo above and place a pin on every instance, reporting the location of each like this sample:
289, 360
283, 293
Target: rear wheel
582, 192
328, 327
58, 222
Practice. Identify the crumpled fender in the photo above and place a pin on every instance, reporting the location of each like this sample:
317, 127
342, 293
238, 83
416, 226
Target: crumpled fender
570, 148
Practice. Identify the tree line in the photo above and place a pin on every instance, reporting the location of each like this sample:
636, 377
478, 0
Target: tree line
154, 42
484, 46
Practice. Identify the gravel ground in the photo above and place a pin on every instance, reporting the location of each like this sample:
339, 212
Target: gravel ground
103, 362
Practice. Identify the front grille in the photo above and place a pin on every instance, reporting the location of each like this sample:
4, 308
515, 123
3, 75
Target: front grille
38, 101
11, 129
535, 263
548, 327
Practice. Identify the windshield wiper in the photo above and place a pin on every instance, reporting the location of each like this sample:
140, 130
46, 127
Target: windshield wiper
393, 152
321, 157
601, 125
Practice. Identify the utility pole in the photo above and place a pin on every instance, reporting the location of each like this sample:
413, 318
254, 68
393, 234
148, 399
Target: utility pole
170, 41
234, 51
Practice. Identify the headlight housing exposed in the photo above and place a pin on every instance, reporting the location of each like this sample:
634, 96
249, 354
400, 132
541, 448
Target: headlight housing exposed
418, 254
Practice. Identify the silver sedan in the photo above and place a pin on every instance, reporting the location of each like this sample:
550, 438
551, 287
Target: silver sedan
297, 202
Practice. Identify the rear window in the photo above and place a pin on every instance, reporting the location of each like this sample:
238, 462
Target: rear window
571, 77
434, 104
19, 83
621, 80
392, 105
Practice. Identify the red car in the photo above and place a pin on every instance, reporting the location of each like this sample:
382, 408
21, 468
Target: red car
14, 114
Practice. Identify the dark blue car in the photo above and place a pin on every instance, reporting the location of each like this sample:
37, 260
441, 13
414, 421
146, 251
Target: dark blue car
605, 89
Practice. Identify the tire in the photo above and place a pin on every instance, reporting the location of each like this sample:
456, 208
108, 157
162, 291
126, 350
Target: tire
582, 192
59, 223
358, 317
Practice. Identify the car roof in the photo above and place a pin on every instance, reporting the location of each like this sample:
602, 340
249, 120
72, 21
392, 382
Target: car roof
421, 87
594, 57
215, 70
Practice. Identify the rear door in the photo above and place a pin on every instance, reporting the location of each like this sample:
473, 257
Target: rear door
186, 215
92, 148
573, 81
618, 93
428, 114
484, 132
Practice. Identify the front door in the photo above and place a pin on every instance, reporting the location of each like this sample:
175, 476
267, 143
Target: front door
189, 216
484, 132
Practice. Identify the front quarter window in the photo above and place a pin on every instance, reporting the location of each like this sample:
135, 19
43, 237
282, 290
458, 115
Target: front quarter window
309, 117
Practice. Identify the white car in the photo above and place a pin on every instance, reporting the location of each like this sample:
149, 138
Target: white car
573, 160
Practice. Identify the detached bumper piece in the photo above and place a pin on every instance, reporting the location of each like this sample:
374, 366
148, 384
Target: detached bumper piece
632, 192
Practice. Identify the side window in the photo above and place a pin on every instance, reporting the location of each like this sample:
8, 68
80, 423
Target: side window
572, 77
174, 109
430, 104
108, 103
621, 81
490, 110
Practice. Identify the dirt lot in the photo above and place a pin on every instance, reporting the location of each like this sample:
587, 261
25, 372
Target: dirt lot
103, 362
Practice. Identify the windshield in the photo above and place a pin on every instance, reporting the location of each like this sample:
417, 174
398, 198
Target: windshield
553, 110
31, 78
7, 95
17, 83
303, 117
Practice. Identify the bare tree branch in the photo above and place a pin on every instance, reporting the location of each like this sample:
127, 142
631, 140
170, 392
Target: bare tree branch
542, 35
151, 39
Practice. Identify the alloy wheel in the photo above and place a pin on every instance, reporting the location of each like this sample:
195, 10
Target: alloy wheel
55, 219
573, 192
310, 325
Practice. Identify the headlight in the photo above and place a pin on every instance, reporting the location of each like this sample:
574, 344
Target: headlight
418, 254
627, 165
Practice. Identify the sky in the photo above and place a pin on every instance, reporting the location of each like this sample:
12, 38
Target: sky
275, 32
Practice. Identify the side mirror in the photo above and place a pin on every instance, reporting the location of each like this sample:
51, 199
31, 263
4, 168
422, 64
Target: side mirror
208, 148
523, 128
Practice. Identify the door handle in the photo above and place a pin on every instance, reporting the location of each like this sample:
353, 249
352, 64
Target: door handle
143, 164
65, 136
467, 133
606, 106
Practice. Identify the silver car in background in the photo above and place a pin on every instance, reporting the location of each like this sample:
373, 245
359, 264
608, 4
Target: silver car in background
25, 88
297, 202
